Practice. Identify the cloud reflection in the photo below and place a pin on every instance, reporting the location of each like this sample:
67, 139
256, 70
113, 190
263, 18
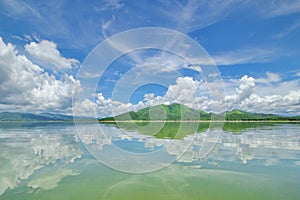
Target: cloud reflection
23, 151
271, 143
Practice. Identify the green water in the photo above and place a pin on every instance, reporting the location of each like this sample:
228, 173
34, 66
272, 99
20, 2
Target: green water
50, 162
175, 182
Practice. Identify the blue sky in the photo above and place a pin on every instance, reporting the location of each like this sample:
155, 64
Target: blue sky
255, 44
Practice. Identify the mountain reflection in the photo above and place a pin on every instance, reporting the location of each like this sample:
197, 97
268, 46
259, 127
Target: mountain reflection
242, 142
177, 130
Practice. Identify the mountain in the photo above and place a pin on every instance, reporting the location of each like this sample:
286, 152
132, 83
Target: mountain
159, 112
177, 112
243, 116
14, 116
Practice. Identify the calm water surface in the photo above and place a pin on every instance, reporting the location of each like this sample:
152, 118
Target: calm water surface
52, 161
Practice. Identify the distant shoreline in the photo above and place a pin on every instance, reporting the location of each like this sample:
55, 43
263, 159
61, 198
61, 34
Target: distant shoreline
2, 121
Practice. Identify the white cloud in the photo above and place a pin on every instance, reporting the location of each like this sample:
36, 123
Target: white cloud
52, 93
168, 62
282, 98
242, 56
149, 97
15, 8
280, 88
47, 54
85, 107
198, 69
271, 78
25, 84
280, 8
287, 104
249, 94
103, 107
27, 38
183, 91
163, 62
246, 87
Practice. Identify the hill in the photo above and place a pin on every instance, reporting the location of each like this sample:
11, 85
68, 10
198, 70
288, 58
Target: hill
160, 112
15, 116
177, 112
248, 116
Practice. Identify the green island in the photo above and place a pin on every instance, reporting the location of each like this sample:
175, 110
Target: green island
173, 121
176, 121
171, 113
178, 112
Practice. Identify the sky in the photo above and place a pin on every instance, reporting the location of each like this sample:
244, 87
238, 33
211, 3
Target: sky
250, 48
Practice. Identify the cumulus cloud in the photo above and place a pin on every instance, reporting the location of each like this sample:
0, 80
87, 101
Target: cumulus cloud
247, 97
246, 88
108, 106
85, 107
47, 54
52, 93
183, 91
103, 107
149, 97
194, 94
26, 84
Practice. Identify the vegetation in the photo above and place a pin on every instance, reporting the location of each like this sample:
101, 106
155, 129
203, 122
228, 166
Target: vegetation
247, 116
178, 112
174, 112
175, 121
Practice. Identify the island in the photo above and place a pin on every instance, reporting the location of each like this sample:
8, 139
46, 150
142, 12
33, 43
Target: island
179, 112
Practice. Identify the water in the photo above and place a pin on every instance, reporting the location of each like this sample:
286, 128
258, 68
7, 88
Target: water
54, 161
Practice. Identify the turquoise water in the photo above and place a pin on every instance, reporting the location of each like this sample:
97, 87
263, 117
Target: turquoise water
54, 161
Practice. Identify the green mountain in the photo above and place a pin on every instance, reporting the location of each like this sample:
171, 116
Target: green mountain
160, 112
179, 112
244, 116
14, 116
